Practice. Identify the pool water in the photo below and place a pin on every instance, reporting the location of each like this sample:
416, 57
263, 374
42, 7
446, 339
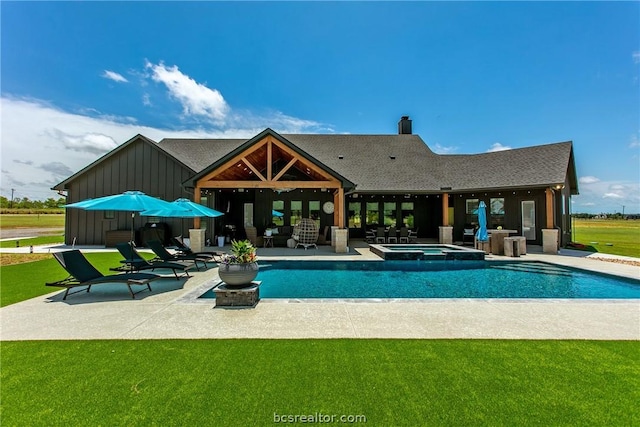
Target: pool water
433, 279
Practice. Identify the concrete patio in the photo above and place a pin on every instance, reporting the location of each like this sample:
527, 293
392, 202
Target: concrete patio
173, 310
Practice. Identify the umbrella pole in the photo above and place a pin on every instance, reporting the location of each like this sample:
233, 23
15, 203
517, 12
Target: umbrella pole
133, 217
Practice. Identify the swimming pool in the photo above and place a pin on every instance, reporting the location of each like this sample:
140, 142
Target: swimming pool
420, 279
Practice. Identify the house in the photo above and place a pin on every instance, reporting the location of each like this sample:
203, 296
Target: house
350, 181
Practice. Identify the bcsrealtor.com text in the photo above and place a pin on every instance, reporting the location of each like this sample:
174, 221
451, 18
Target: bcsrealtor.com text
318, 418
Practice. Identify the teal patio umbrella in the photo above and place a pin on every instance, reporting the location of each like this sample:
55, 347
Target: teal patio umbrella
482, 234
184, 208
129, 201
276, 213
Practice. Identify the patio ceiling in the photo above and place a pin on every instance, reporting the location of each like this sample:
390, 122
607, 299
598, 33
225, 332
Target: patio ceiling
268, 164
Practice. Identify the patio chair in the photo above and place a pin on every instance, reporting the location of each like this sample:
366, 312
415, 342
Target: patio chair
133, 261
380, 237
468, 234
186, 250
324, 238
404, 235
82, 273
164, 255
393, 235
305, 233
413, 235
370, 236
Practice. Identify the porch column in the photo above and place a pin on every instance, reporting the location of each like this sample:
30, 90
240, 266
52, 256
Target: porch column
549, 210
445, 232
196, 198
549, 234
338, 211
445, 209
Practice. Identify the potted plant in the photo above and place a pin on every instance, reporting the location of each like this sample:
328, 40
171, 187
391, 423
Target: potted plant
239, 268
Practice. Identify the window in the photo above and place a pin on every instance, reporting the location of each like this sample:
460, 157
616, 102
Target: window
373, 214
407, 214
355, 215
496, 212
109, 215
390, 214
277, 206
296, 212
471, 211
314, 211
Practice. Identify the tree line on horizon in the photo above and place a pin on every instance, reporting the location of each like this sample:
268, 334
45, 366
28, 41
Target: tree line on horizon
26, 203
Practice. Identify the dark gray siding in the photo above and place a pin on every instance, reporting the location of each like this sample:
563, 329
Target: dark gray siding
138, 166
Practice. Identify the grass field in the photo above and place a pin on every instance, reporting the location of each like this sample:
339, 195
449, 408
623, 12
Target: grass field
390, 382
31, 221
618, 237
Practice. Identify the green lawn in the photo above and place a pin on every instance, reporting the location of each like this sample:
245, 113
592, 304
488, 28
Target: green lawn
40, 240
390, 382
20, 282
618, 237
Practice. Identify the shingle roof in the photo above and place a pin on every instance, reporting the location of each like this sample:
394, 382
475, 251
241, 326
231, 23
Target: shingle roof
404, 163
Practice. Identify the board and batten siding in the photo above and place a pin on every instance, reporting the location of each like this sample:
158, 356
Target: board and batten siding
138, 166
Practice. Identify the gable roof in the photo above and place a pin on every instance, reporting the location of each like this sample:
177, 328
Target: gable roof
399, 163
537, 166
269, 132
138, 138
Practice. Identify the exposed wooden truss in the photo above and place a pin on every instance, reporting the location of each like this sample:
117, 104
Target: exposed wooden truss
272, 164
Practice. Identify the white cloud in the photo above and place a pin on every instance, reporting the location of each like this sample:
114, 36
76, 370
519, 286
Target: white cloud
609, 196
196, 98
440, 149
40, 140
588, 180
612, 196
635, 142
498, 147
636, 57
146, 100
112, 75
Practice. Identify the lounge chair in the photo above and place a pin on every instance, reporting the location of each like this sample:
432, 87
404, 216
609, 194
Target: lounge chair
186, 250
164, 255
82, 273
380, 237
133, 261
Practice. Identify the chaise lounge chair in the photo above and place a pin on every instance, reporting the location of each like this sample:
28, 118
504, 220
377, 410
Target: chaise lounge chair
82, 273
163, 254
186, 250
133, 261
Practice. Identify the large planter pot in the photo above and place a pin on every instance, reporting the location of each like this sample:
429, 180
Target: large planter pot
238, 275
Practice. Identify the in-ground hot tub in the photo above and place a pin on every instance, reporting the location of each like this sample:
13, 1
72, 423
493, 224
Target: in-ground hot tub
426, 252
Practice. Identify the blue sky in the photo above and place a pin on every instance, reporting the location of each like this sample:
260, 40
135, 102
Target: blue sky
78, 79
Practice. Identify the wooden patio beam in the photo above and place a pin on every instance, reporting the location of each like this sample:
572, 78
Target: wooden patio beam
286, 168
258, 174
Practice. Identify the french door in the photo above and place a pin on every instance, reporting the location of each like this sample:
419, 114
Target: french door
529, 219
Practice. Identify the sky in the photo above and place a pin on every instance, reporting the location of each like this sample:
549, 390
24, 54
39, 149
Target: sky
78, 79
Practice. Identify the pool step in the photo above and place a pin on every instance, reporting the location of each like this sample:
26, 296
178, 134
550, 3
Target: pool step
533, 268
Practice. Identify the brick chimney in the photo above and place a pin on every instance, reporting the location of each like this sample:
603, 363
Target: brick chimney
404, 126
